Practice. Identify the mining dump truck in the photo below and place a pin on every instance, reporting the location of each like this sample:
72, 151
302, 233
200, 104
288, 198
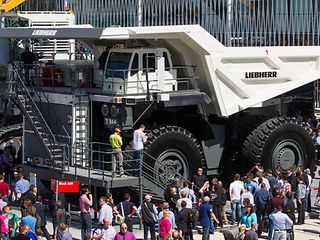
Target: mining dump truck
225, 109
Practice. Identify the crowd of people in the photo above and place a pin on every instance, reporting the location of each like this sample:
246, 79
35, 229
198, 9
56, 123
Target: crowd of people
32, 223
260, 202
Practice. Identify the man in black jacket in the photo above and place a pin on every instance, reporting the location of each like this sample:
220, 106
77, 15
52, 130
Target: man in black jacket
217, 192
185, 221
289, 209
148, 214
41, 211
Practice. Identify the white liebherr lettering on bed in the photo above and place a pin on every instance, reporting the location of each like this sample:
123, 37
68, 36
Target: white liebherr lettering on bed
44, 32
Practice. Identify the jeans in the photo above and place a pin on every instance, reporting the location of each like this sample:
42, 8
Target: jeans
279, 235
137, 162
206, 233
86, 224
236, 211
146, 227
260, 212
117, 162
301, 211
211, 227
217, 211
308, 201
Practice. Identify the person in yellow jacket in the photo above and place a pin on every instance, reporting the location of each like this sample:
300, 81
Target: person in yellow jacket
117, 158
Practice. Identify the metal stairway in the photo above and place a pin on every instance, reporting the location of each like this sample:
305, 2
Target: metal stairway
23, 98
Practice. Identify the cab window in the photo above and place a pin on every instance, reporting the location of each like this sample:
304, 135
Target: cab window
149, 62
166, 61
135, 65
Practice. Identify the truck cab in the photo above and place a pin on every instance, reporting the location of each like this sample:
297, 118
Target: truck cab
139, 72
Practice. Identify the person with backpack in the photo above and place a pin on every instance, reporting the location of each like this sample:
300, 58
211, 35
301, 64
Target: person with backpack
148, 213
185, 221
41, 210
128, 211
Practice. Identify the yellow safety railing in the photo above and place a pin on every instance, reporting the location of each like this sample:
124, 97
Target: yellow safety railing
7, 5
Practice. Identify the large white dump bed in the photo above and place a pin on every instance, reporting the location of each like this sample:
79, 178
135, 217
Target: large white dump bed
235, 78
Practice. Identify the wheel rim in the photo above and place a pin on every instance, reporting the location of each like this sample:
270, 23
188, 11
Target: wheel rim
171, 164
287, 154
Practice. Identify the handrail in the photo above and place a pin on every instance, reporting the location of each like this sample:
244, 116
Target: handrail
35, 105
101, 158
145, 164
26, 91
38, 90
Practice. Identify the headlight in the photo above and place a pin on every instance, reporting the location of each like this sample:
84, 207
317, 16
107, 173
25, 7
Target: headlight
114, 111
105, 110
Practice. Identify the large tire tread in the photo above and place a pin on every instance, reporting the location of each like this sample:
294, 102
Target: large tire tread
257, 148
161, 131
253, 145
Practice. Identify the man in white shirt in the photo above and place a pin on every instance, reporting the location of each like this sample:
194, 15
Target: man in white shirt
106, 233
190, 193
139, 138
247, 194
235, 190
105, 211
264, 180
184, 197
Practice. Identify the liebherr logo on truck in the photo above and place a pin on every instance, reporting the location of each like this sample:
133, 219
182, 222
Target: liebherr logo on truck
261, 74
44, 32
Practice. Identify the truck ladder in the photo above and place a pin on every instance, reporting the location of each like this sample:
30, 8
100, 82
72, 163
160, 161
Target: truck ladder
23, 98
82, 129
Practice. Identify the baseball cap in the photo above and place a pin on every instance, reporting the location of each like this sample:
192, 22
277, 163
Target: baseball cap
117, 129
148, 196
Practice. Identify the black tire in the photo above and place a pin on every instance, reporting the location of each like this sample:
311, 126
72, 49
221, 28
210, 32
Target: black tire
236, 133
280, 143
9, 132
176, 149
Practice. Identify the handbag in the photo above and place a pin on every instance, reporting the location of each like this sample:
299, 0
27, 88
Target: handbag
317, 202
154, 216
119, 218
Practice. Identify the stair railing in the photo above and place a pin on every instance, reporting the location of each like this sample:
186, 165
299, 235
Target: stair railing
21, 88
